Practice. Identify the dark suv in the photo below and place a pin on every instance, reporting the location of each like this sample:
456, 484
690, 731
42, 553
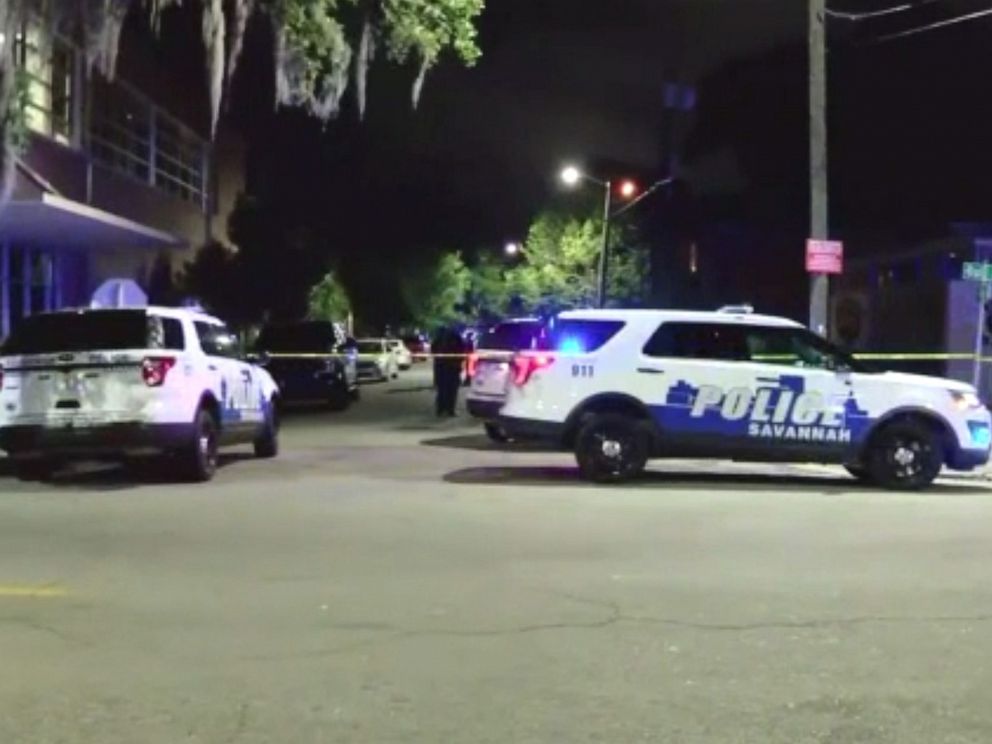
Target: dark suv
310, 361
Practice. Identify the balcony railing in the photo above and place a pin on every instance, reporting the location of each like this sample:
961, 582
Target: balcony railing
126, 131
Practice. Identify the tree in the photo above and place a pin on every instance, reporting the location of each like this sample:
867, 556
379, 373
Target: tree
488, 294
161, 283
314, 46
437, 295
561, 261
329, 300
214, 279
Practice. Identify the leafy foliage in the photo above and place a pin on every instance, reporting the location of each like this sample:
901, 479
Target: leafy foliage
436, 296
313, 50
269, 276
214, 278
328, 299
560, 268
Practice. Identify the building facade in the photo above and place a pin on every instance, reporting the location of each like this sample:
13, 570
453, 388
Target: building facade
111, 185
915, 301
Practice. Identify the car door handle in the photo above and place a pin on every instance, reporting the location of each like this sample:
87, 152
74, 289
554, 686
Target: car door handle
212, 367
650, 371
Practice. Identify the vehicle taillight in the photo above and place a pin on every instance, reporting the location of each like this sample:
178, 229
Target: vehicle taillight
525, 365
155, 369
472, 364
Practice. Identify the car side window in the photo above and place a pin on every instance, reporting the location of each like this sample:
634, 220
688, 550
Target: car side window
793, 347
216, 340
165, 334
711, 341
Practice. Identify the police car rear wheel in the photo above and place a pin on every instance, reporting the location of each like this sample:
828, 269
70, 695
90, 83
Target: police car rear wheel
201, 457
611, 448
905, 456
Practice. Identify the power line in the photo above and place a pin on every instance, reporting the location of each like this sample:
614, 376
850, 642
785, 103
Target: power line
934, 25
879, 13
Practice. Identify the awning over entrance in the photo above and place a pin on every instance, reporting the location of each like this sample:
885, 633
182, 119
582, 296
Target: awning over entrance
55, 221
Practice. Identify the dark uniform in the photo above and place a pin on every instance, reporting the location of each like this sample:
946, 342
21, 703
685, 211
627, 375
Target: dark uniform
449, 348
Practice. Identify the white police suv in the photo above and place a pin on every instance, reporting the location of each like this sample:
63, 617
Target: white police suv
109, 384
622, 386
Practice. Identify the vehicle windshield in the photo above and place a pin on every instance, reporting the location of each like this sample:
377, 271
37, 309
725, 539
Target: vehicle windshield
302, 337
513, 336
369, 347
98, 330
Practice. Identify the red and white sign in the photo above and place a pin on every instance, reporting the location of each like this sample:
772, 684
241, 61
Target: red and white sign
824, 257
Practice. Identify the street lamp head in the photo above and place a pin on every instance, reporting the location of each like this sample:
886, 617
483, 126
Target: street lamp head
512, 249
571, 175
628, 189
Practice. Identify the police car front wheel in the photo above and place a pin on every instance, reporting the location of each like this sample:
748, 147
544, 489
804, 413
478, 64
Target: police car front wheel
611, 448
905, 456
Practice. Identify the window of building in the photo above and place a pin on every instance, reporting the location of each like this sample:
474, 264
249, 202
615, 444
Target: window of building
132, 136
120, 129
49, 69
178, 160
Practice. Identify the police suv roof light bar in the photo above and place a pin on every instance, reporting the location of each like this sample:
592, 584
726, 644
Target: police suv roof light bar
737, 310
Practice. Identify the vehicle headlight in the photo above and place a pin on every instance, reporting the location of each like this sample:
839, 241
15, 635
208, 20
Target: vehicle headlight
965, 401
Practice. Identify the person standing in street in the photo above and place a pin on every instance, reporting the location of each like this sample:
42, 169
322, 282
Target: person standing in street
448, 360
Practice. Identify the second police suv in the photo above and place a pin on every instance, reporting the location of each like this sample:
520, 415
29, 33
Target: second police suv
619, 387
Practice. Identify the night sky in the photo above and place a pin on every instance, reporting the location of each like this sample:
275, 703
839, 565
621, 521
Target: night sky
568, 80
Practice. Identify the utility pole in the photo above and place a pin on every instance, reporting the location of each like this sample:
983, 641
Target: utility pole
605, 249
819, 291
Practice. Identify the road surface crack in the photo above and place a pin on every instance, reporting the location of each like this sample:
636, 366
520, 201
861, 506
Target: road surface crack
42, 628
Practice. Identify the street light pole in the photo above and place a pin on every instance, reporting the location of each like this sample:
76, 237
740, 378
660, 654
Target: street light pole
605, 249
819, 294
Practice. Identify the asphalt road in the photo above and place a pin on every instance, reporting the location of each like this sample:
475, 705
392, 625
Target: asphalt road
394, 579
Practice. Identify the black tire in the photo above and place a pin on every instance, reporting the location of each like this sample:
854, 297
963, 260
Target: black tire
339, 399
35, 471
201, 458
905, 456
497, 433
355, 394
266, 444
612, 448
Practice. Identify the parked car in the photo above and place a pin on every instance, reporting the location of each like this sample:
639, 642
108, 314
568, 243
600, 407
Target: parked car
112, 384
376, 360
419, 346
310, 361
489, 368
404, 359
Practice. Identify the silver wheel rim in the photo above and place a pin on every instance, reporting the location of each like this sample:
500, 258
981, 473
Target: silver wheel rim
908, 458
612, 449
207, 451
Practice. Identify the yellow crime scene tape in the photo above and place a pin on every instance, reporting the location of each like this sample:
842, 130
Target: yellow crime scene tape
867, 357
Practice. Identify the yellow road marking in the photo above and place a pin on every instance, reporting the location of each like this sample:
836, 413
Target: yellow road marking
40, 591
